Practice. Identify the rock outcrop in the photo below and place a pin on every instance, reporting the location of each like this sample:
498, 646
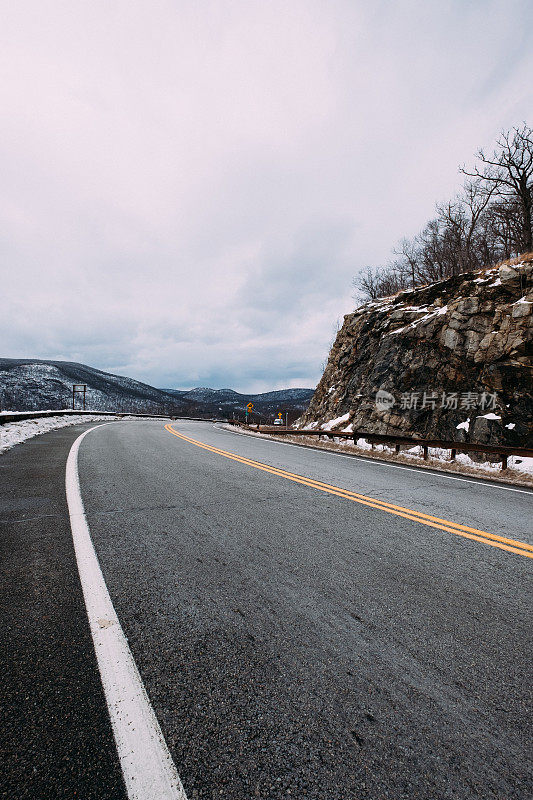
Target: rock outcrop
451, 360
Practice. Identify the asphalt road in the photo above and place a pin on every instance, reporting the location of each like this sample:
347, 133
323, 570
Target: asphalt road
293, 642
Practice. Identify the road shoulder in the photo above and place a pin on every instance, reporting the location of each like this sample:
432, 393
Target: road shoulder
58, 741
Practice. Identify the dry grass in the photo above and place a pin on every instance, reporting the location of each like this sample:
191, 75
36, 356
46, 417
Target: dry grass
511, 262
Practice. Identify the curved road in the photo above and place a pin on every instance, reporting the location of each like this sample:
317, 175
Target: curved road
306, 624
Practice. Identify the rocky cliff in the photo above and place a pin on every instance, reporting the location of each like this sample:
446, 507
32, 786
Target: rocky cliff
451, 360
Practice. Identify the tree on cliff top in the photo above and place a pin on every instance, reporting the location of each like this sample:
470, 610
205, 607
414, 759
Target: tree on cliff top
509, 174
491, 220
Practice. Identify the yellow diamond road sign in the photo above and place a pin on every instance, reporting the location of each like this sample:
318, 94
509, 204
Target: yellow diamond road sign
250, 406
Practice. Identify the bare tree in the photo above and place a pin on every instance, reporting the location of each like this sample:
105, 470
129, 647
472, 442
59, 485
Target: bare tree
491, 220
502, 230
461, 221
476, 199
408, 252
454, 227
381, 282
368, 284
509, 174
436, 259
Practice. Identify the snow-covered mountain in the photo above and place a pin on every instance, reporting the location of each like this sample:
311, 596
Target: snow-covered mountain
37, 384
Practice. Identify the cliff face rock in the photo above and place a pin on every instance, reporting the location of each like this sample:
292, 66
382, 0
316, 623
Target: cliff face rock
452, 360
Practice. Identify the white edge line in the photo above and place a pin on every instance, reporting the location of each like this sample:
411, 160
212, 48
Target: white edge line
482, 481
147, 766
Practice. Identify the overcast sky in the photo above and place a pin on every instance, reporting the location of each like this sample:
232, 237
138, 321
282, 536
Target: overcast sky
188, 188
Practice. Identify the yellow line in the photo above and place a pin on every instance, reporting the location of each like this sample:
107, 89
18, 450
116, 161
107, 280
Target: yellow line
501, 542
346, 492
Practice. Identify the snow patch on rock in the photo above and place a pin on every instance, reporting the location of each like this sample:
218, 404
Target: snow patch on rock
334, 423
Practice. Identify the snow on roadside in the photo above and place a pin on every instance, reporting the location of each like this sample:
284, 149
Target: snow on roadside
37, 413
438, 456
519, 467
12, 433
520, 464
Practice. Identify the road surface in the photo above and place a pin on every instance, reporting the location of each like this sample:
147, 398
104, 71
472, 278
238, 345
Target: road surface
306, 624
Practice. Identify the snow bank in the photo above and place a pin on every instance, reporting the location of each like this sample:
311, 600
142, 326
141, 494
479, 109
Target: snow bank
37, 413
440, 456
12, 433
521, 464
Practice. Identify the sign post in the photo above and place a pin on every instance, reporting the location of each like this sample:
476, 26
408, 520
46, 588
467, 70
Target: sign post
78, 388
248, 410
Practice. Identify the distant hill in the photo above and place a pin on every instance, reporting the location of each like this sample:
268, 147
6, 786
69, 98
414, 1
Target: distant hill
38, 384
227, 402
35, 384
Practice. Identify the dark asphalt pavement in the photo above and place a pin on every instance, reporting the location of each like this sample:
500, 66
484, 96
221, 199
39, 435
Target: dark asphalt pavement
55, 738
293, 643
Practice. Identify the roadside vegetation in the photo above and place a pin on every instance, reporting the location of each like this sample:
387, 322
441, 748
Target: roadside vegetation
490, 221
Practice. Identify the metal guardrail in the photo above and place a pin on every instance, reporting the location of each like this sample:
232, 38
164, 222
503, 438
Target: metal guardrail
19, 416
503, 451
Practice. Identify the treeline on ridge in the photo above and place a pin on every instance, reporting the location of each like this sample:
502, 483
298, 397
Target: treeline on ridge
489, 221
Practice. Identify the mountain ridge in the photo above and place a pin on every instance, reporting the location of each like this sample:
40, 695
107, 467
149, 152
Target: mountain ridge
37, 384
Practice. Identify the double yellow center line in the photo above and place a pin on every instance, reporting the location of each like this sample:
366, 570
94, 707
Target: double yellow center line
511, 545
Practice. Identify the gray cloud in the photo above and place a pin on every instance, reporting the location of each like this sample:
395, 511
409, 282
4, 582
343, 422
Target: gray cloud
188, 189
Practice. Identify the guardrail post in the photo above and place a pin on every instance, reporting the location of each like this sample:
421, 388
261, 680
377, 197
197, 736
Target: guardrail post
397, 449
426, 449
504, 461
454, 453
